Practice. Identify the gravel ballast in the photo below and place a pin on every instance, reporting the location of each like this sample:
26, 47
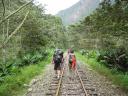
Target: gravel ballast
40, 85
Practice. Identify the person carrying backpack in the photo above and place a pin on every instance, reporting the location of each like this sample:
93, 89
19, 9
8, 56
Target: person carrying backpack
71, 60
57, 61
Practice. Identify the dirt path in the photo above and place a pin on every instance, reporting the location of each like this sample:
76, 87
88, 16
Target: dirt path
40, 85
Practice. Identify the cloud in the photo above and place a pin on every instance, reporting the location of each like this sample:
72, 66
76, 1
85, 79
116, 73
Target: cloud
53, 6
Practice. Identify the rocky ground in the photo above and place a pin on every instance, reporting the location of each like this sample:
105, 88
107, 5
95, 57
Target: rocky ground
40, 85
103, 86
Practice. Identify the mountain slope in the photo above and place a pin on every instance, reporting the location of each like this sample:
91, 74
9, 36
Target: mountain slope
77, 11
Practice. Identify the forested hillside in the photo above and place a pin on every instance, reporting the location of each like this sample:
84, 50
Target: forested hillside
25, 34
106, 30
28, 30
78, 11
28, 37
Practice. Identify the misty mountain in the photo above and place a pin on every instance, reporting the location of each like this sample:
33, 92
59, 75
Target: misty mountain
78, 11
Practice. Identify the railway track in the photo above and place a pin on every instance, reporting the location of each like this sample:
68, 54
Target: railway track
75, 85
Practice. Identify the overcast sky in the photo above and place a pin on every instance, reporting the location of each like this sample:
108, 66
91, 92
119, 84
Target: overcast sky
53, 6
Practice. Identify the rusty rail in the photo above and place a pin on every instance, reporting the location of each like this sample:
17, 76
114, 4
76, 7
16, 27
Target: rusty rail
59, 84
86, 94
60, 81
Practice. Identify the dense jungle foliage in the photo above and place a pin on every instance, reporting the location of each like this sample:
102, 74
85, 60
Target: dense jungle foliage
106, 31
25, 34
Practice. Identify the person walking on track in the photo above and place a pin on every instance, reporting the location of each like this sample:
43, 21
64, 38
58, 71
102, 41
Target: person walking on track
58, 61
71, 61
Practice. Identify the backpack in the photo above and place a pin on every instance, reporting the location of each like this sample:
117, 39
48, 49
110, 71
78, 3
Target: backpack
71, 58
58, 56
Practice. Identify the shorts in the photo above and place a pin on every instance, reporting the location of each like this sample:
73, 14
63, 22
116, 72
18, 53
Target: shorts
57, 66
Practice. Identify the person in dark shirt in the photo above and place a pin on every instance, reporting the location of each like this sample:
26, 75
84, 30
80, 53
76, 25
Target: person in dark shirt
58, 61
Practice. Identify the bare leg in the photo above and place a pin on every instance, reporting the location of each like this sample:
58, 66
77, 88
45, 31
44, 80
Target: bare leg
58, 73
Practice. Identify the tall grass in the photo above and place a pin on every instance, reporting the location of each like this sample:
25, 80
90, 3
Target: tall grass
14, 84
118, 78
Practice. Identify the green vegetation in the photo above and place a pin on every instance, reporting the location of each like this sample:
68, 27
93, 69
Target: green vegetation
26, 33
14, 84
104, 30
118, 78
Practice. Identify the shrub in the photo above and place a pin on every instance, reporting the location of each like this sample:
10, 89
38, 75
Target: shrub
11, 66
32, 58
114, 58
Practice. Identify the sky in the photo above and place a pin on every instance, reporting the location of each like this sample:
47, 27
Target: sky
54, 6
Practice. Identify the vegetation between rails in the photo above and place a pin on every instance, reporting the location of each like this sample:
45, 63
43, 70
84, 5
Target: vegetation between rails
118, 78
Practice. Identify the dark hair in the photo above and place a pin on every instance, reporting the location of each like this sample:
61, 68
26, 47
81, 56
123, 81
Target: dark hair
71, 51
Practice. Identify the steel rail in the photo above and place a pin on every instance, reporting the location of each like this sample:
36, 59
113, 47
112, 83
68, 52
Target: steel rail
60, 81
86, 94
